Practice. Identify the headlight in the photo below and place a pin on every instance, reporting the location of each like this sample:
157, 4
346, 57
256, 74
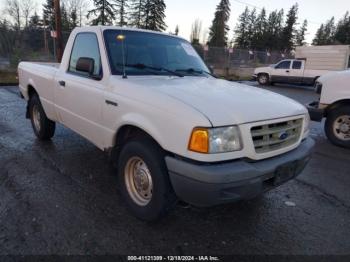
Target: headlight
215, 140
307, 123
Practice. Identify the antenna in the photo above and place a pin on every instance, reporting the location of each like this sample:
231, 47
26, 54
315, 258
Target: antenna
121, 38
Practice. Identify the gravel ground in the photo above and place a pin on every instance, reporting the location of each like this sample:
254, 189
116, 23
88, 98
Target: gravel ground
61, 197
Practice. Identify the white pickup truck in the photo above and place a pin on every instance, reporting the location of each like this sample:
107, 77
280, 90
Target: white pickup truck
291, 71
334, 105
173, 130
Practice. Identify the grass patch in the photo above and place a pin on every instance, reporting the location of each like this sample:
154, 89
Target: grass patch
8, 77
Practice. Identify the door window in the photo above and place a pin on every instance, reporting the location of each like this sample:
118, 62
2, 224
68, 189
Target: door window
297, 64
284, 65
85, 45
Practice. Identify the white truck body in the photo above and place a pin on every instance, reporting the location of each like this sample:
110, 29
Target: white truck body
334, 105
311, 62
168, 108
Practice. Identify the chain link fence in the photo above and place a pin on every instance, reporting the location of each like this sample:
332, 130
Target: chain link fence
26, 45
36, 44
238, 63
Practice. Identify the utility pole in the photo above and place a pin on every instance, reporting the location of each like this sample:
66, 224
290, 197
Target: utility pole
59, 45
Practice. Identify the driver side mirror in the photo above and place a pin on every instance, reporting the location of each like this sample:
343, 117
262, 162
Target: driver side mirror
85, 64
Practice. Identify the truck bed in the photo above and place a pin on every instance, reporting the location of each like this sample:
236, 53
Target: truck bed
42, 76
51, 64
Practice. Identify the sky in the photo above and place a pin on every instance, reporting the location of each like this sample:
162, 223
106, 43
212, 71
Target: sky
185, 12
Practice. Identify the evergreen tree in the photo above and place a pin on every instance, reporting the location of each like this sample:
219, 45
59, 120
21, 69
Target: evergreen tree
319, 36
137, 13
241, 40
288, 32
104, 12
35, 22
122, 6
219, 29
300, 37
73, 18
154, 15
49, 14
259, 39
274, 28
342, 33
329, 32
65, 23
177, 30
325, 35
251, 28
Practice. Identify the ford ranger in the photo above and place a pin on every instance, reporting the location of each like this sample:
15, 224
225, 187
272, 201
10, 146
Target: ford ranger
172, 129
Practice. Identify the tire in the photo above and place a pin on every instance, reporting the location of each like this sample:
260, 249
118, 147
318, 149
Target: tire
157, 197
43, 127
263, 79
337, 126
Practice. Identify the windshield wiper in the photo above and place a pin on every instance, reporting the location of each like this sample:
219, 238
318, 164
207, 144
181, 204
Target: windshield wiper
196, 71
143, 66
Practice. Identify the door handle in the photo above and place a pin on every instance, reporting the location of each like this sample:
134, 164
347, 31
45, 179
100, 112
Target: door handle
112, 103
287, 71
62, 83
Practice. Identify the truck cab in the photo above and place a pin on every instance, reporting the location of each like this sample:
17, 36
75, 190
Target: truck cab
286, 71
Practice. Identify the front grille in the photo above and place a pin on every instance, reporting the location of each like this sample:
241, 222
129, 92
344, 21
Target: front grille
276, 136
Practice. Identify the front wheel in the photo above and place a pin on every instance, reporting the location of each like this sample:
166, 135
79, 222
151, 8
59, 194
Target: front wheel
337, 126
263, 79
144, 180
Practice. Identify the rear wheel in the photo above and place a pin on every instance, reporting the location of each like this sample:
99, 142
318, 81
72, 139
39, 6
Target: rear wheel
144, 180
263, 79
43, 127
337, 126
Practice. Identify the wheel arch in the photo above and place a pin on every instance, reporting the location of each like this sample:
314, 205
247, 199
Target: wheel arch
337, 104
263, 73
30, 92
127, 132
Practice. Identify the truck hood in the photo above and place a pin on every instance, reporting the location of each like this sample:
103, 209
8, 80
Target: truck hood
223, 102
335, 75
265, 69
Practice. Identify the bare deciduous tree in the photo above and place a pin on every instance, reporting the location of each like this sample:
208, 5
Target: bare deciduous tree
13, 9
28, 7
196, 31
81, 7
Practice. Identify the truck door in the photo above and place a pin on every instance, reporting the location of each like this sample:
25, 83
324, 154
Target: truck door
281, 72
296, 73
79, 96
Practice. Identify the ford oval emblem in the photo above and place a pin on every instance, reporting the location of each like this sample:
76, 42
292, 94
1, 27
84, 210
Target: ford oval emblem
283, 136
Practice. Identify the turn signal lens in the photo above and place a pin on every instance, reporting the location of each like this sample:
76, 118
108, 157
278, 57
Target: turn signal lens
199, 141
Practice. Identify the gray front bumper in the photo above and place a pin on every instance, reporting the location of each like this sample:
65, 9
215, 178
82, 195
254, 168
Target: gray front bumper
213, 184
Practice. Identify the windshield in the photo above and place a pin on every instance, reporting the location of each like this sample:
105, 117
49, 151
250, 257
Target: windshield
151, 54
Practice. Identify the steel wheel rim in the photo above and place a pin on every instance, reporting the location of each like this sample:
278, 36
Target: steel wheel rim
36, 117
341, 127
263, 79
138, 181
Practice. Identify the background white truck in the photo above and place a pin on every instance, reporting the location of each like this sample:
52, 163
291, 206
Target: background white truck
311, 63
173, 130
334, 105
